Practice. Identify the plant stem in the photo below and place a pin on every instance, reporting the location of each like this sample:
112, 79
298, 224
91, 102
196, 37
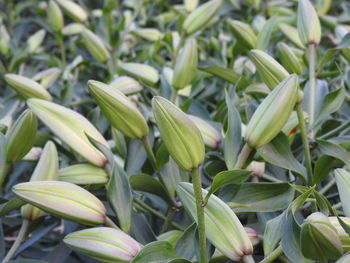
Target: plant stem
304, 138
149, 152
312, 83
274, 255
21, 235
156, 213
243, 156
168, 220
62, 49
248, 259
3, 172
327, 186
174, 96
335, 131
109, 222
197, 186
337, 206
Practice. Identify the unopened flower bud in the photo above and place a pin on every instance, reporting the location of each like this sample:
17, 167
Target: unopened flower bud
258, 168
309, 27
4, 40
126, 85
289, 60
211, 137
292, 34
73, 10
145, 73
55, 15
83, 174
95, 45
73, 29
35, 41
244, 33
47, 77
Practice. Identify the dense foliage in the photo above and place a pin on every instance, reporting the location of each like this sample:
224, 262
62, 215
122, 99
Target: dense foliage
174, 131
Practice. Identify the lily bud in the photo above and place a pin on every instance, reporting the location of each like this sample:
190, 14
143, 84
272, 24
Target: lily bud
104, 244
126, 85
33, 155
119, 110
309, 27
342, 178
180, 135
64, 200
270, 71
73, 29
73, 10
271, 115
35, 41
222, 227
344, 259
4, 40
26, 87
55, 15
186, 65
190, 5
145, 73
150, 34
258, 168
47, 77
83, 174
71, 127
292, 34
344, 237
95, 45
21, 136
211, 137
319, 239
289, 60
46, 170
244, 33
201, 16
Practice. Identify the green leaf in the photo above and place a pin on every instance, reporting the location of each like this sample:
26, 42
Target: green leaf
264, 35
119, 196
185, 246
233, 137
278, 153
273, 232
172, 176
263, 197
344, 225
148, 184
157, 252
228, 177
334, 150
300, 200
322, 168
13, 204
323, 204
227, 74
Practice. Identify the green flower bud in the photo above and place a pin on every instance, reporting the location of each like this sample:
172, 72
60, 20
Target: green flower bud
71, 127
126, 85
180, 135
4, 40
342, 178
201, 16
26, 87
47, 77
104, 244
64, 200
35, 41
95, 46
309, 27
186, 65
222, 227
119, 110
21, 136
55, 16
270, 71
344, 237
271, 115
83, 174
244, 33
211, 137
73, 10
319, 239
150, 34
73, 29
144, 73
46, 170
190, 5
289, 60
292, 34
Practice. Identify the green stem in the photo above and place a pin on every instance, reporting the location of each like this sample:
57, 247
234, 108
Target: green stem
111, 67
335, 131
328, 186
149, 152
248, 259
168, 220
154, 212
62, 49
243, 156
3, 172
337, 206
21, 235
174, 96
312, 83
274, 255
197, 186
109, 222
304, 138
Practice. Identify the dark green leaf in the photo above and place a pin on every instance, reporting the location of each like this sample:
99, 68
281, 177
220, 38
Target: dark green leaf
157, 252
